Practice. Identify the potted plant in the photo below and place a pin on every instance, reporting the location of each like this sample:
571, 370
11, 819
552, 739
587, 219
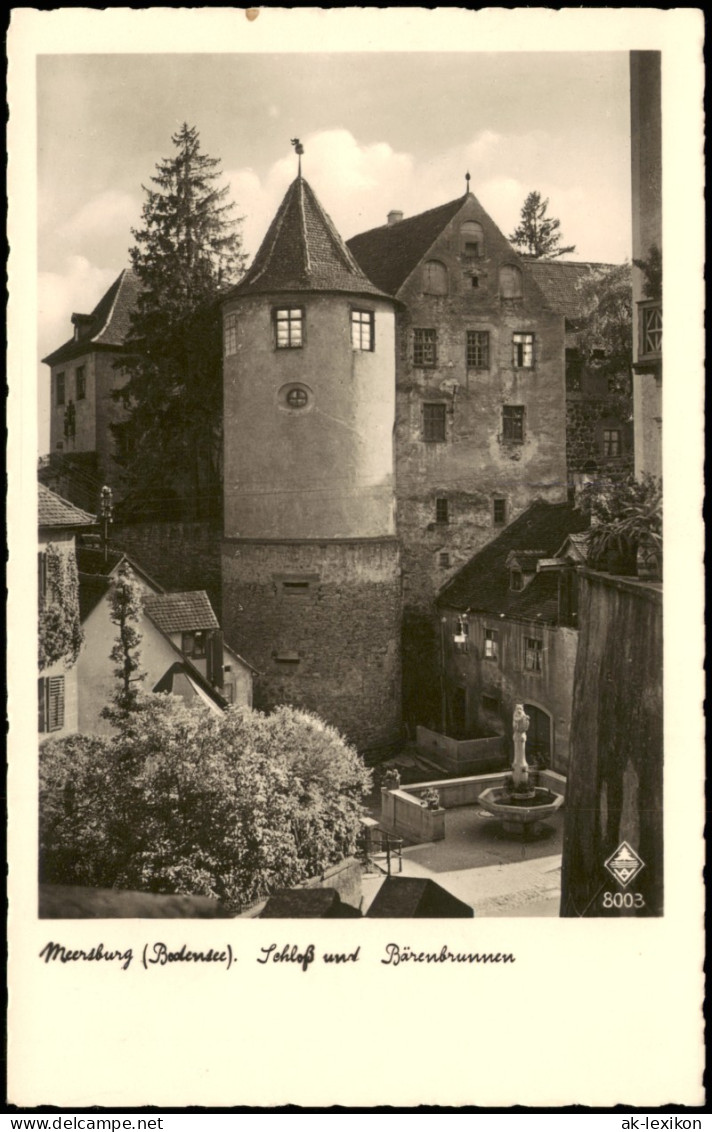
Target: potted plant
430, 799
626, 521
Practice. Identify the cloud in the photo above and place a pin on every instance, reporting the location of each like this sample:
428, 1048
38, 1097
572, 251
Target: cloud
112, 210
77, 288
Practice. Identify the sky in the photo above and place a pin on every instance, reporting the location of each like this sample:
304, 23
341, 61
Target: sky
380, 131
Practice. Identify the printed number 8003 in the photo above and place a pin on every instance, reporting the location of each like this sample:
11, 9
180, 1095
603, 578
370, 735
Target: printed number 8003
623, 900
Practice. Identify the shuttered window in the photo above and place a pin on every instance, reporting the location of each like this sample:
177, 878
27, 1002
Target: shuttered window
50, 695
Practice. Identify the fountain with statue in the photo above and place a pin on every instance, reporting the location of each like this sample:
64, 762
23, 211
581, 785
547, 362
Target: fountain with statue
521, 805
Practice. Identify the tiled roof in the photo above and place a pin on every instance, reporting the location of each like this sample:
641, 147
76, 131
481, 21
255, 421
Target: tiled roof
560, 282
483, 583
302, 251
181, 612
53, 511
388, 254
108, 324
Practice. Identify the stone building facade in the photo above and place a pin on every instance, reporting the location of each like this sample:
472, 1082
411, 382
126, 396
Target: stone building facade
310, 559
84, 374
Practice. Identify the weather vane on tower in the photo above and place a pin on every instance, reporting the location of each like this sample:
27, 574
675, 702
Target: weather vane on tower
299, 150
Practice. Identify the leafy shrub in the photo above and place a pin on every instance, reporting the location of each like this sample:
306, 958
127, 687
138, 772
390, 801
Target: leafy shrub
183, 801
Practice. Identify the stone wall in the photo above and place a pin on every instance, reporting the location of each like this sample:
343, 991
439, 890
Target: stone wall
321, 623
616, 762
586, 419
179, 556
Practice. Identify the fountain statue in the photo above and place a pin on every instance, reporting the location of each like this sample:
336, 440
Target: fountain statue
520, 804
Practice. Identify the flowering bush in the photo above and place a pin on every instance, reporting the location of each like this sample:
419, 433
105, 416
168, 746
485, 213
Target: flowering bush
183, 801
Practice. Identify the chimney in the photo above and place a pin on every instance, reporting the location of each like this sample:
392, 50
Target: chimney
394, 217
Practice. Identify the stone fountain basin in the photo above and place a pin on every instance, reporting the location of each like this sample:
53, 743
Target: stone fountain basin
541, 806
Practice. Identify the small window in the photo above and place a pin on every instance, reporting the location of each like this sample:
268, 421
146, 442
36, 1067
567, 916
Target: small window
296, 588
510, 282
424, 347
523, 351
443, 558
290, 326
193, 644
362, 330
435, 278
516, 581
475, 280
490, 704
611, 442
499, 512
50, 694
491, 644
442, 511
533, 651
228, 691
230, 334
287, 657
434, 423
60, 389
297, 398
513, 423
478, 349
472, 239
81, 383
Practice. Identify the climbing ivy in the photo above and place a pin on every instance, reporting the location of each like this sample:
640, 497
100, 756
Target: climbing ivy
60, 634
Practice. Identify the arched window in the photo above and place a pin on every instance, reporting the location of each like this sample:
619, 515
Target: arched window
472, 239
510, 282
435, 278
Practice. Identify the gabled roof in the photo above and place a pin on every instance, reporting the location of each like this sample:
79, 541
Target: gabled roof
96, 572
303, 251
483, 583
182, 677
560, 282
417, 897
390, 253
108, 325
53, 511
181, 612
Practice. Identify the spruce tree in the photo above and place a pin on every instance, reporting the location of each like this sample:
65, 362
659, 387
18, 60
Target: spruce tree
538, 235
187, 251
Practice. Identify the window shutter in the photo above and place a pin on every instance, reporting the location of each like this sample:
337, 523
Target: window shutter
215, 658
55, 703
41, 705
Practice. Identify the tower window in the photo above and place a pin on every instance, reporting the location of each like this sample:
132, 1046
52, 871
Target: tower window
290, 326
297, 398
499, 512
434, 422
611, 442
444, 558
362, 330
513, 423
60, 389
81, 383
478, 349
441, 511
425, 347
523, 351
230, 334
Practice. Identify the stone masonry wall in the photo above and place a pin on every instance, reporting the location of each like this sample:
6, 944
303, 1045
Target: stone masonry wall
321, 623
179, 556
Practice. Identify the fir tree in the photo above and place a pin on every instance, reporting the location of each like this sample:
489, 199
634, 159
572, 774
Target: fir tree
187, 251
538, 235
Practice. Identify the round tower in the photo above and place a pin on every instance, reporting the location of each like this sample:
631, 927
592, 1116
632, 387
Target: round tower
311, 573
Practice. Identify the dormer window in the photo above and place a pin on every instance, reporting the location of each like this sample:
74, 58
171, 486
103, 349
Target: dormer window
516, 580
435, 278
472, 240
289, 322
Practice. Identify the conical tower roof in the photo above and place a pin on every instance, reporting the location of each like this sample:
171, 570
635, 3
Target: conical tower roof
303, 251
